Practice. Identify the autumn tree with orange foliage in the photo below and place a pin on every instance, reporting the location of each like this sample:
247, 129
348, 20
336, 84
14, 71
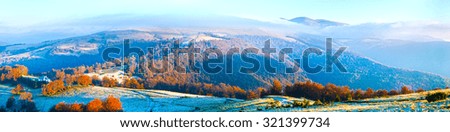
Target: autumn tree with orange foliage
261, 91
53, 87
277, 87
406, 90
382, 93
358, 94
2, 77
112, 104
60, 107
26, 96
369, 93
109, 82
308, 89
393, 92
132, 83
95, 105
60, 74
70, 79
63, 107
84, 80
252, 95
332, 92
419, 90
76, 107
19, 89
13, 73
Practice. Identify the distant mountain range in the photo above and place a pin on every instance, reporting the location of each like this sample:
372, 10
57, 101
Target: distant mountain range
315, 22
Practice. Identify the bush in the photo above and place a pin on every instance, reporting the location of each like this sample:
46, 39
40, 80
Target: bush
112, 104
53, 88
420, 90
60, 107
95, 105
277, 88
19, 89
406, 90
84, 80
76, 107
252, 95
274, 104
393, 92
436, 96
109, 82
26, 96
297, 103
132, 83
382, 93
63, 107
261, 91
304, 104
309, 90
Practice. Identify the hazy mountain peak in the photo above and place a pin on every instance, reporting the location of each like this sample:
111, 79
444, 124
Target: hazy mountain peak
315, 22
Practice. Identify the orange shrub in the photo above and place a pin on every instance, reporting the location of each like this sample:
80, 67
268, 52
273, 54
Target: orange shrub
53, 87
406, 90
393, 92
19, 89
277, 88
419, 90
382, 93
95, 105
109, 82
252, 95
369, 93
26, 96
70, 79
132, 83
76, 107
63, 107
112, 104
60, 107
261, 91
17, 72
84, 80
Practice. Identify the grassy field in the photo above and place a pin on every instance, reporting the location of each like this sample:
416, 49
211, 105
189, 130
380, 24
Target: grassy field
136, 100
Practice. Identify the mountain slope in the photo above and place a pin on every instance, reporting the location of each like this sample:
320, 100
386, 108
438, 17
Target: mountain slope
86, 50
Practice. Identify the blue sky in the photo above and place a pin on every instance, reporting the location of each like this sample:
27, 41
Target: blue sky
29, 12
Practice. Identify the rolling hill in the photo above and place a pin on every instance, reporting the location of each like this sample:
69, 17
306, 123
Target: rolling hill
86, 50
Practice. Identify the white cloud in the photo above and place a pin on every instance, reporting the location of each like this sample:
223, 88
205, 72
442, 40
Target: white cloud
412, 31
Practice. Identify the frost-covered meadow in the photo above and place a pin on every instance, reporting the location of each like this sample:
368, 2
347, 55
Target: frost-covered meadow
144, 100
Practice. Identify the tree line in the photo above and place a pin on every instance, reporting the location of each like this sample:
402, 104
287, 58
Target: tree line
172, 81
67, 78
110, 104
331, 92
